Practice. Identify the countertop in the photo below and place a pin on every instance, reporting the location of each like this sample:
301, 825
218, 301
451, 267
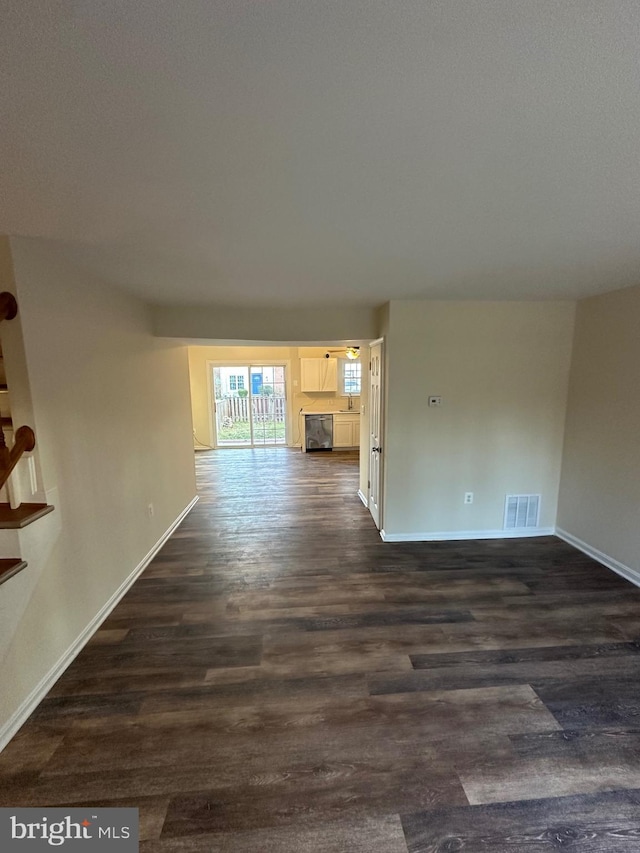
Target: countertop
332, 412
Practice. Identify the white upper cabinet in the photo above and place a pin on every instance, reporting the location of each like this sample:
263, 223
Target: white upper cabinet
318, 374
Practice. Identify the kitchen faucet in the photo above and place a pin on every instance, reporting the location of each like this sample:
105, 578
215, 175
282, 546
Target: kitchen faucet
350, 403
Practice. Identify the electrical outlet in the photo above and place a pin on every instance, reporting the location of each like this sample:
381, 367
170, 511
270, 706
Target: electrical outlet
468, 497
150, 510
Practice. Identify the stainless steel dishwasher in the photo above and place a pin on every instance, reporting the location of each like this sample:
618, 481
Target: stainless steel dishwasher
318, 432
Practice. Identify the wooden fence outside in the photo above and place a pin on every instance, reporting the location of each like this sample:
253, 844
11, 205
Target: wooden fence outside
264, 408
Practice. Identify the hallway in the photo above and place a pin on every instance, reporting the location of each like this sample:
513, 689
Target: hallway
279, 680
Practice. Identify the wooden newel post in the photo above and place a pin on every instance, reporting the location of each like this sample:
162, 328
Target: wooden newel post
8, 305
25, 441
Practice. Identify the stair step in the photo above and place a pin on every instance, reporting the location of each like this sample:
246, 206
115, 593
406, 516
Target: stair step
10, 567
23, 515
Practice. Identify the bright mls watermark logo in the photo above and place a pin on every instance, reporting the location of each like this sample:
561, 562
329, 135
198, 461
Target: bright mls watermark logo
82, 830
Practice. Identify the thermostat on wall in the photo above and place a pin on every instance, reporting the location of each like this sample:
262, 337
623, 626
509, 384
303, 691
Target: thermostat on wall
435, 401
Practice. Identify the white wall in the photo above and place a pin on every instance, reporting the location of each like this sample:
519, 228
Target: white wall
600, 486
502, 370
246, 324
112, 420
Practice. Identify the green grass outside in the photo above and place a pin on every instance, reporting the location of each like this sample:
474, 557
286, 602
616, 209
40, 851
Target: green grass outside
240, 431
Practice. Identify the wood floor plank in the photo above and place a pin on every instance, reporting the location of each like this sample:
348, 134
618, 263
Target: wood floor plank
604, 823
502, 710
93, 706
606, 701
558, 764
29, 750
603, 652
542, 667
543, 775
367, 835
154, 652
325, 792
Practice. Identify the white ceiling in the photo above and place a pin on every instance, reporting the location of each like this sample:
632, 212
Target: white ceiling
272, 151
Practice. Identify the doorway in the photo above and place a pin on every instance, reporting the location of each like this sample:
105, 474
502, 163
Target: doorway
249, 404
375, 431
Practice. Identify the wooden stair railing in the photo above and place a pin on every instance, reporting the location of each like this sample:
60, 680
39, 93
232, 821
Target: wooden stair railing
8, 306
25, 441
24, 438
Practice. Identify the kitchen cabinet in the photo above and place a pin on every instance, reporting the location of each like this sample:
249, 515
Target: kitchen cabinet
346, 430
318, 374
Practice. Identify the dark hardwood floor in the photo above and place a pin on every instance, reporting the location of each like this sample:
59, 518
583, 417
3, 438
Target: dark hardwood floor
281, 681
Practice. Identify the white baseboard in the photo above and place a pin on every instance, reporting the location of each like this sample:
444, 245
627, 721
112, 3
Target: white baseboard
615, 565
455, 535
17, 720
363, 498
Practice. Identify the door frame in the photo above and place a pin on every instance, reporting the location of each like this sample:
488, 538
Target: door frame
249, 363
381, 343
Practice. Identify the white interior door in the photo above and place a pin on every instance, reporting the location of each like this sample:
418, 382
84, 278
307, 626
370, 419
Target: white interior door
375, 432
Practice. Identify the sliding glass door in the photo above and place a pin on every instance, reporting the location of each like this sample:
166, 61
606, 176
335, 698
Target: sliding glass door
250, 406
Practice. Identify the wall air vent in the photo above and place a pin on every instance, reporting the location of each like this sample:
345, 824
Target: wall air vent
521, 511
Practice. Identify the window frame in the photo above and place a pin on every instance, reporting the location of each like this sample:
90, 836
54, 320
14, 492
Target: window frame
236, 382
343, 363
